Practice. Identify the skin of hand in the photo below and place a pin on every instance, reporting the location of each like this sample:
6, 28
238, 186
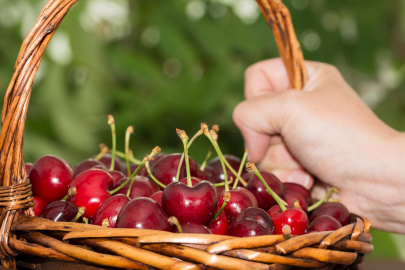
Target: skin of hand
328, 130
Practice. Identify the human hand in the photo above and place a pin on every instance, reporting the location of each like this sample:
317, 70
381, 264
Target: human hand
328, 130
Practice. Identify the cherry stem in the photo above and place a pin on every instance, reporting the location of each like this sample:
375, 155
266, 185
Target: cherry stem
227, 198
105, 223
81, 212
135, 173
72, 191
324, 199
250, 167
132, 159
184, 138
242, 165
153, 177
182, 156
128, 133
223, 183
111, 122
174, 221
103, 151
85, 220
204, 164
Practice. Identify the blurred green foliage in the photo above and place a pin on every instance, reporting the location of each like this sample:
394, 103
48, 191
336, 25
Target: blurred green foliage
160, 65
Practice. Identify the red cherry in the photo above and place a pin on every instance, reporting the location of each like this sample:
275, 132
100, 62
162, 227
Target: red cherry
220, 191
215, 164
40, 204
116, 176
157, 196
291, 196
256, 214
165, 169
219, 225
157, 157
195, 204
118, 164
142, 172
209, 174
323, 224
110, 209
92, 188
248, 228
333, 209
87, 165
142, 187
50, 178
241, 199
299, 189
28, 167
60, 211
292, 220
193, 228
194, 181
264, 199
143, 213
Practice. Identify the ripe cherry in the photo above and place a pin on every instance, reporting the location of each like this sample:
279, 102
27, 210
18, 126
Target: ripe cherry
255, 185
195, 204
116, 176
256, 214
165, 169
194, 181
141, 187
215, 164
142, 172
110, 209
209, 174
143, 213
60, 211
39, 205
219, 225
323, 224
87, 165
92, 188
333, 209
291, 196
241, 199
118, 164
293, 187
50, 178
248, 228
290, 221
157, 196
193, 228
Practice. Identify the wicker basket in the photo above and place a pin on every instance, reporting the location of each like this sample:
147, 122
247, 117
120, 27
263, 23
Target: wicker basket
36, 243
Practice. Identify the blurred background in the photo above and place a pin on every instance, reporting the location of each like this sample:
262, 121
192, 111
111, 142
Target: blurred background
160, 65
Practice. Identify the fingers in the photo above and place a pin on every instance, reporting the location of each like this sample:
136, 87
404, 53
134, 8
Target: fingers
298, 176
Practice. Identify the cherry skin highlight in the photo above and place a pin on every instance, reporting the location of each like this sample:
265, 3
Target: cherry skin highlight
143, 213
295, 218
264, 199
323, 224
110, 209
195, 204
142, 187
215, 164
92, 188
50, 178
60, 211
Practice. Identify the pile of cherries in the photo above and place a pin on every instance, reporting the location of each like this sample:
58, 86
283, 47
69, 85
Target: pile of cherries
170, 192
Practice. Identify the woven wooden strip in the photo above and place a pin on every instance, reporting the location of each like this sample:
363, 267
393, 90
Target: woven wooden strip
83, 254
328, 256
351, 245
248, 242
301, 241
218, 261
271, 258
358, 229
55, 226
365, 237
99, 232
184, 238
336, 236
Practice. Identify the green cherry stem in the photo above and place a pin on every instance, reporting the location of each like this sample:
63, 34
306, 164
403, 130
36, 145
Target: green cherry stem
81, 212
250, 167
227, 198
111, 122
174, 221
72, 191
85, 220
184, 138
132, 159
182, 156
324, 199
128, 133
135, 173
153, 177
242, 165
204, 164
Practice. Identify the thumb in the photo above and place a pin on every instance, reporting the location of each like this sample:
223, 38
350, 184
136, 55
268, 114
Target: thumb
259, 118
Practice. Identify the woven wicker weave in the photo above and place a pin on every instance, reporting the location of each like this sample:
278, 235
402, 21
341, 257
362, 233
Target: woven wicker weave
146, 249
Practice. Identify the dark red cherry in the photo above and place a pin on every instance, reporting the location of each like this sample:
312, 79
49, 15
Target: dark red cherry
60, 211
87, 165
248, 228
220, 191
197, 204
209, 174
193, 228
256, 214
293, 220
40, 204
241, 198
291, 196
110, 209
157, 157
215, 164
219, 225
333, 209
194, 181
116, 176
142, 187
118, 164
92, 188
300, 189
323, 224
264, 199
50, 178
142, 172
143, 213
165, 169
28, 167
157, 196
